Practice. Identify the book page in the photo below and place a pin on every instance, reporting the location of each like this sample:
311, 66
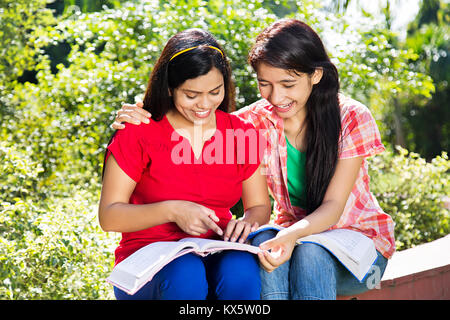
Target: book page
150, 256
353, 243
208, 245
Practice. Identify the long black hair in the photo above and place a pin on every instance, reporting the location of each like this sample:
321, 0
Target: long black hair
292, 45
170, 72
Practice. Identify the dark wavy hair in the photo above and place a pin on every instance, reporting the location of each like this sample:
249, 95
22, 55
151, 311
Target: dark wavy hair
169, 74
292, 45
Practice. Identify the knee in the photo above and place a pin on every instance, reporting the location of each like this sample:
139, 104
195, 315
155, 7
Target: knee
312, 273
183, 278
239, 265
263, 236
312, 256
238, 276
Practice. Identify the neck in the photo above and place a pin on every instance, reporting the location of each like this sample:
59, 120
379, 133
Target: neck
192, 131
294, 124
294, 130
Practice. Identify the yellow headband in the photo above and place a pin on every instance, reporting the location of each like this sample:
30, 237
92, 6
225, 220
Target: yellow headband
188, 49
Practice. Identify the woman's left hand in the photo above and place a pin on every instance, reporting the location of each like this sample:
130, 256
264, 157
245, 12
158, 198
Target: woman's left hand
277, 250
239, 229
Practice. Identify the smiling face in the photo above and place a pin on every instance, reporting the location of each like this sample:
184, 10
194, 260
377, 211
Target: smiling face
197, 99
287, 91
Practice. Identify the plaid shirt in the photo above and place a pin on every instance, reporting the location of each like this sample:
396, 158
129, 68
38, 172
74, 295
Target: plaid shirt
360, 137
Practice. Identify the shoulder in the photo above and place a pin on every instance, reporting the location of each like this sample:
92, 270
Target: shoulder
360, 134
255, 107
140, 138
259, 108
143, 131
350, 106
353, 111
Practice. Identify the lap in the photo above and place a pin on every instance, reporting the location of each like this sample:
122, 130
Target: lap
310, 260
233, 275
226, 275
173, 282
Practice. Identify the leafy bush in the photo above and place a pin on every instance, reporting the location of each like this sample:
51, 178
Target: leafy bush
54, 251
50, 248
53, 132
412, 191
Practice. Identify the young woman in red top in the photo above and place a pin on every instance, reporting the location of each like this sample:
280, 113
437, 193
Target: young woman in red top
175, 178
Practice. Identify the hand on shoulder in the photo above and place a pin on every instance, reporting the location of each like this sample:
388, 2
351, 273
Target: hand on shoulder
131, 113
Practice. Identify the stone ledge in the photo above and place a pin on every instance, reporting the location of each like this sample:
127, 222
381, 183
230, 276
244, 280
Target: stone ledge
419, 273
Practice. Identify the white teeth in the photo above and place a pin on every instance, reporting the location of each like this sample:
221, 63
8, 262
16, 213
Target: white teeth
202, 113
285, 106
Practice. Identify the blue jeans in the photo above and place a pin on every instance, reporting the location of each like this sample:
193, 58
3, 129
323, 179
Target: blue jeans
227, 275
313, 273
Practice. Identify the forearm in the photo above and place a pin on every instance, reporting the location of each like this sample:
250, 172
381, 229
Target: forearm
324, 217
335, 199
125, 217
259, 214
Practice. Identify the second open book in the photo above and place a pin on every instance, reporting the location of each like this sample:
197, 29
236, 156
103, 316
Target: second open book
355, 251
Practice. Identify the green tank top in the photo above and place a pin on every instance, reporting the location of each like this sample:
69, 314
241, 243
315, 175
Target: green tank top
296, 178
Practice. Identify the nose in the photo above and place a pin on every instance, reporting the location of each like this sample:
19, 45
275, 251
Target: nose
204, 103
276, 96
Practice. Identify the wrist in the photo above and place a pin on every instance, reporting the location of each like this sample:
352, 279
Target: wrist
259, 214
172, 210
299, 229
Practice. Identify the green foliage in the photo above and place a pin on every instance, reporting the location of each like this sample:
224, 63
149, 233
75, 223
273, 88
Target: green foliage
381, 74
23, 25
20, 39
413, 191
53, 251
53, 132
428, 36
50, 247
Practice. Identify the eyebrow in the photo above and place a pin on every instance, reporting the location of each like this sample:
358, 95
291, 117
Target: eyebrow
281, 81
193, 91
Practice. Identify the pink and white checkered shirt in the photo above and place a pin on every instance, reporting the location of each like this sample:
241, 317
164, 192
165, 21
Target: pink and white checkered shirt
360, 137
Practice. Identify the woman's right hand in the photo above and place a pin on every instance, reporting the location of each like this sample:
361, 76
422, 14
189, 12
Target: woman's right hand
193, 218
131, 113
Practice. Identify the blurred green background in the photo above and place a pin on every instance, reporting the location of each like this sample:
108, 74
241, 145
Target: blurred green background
68, 65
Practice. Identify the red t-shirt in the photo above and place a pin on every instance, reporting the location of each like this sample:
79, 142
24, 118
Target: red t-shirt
164, 167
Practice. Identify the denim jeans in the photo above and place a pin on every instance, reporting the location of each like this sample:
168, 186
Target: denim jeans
227, 275
313, 273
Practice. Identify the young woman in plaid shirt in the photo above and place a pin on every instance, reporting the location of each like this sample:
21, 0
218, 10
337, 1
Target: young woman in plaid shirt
316, 168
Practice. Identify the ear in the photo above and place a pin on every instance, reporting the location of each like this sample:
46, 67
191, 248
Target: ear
170, 92
317, 75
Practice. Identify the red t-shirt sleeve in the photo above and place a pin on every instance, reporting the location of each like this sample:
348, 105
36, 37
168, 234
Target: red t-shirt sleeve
127, 148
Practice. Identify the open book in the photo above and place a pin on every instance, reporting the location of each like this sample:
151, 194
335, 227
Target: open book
353, 249
139, 268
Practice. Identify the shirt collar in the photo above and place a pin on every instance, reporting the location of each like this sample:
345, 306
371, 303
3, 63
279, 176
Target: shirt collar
265, 108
